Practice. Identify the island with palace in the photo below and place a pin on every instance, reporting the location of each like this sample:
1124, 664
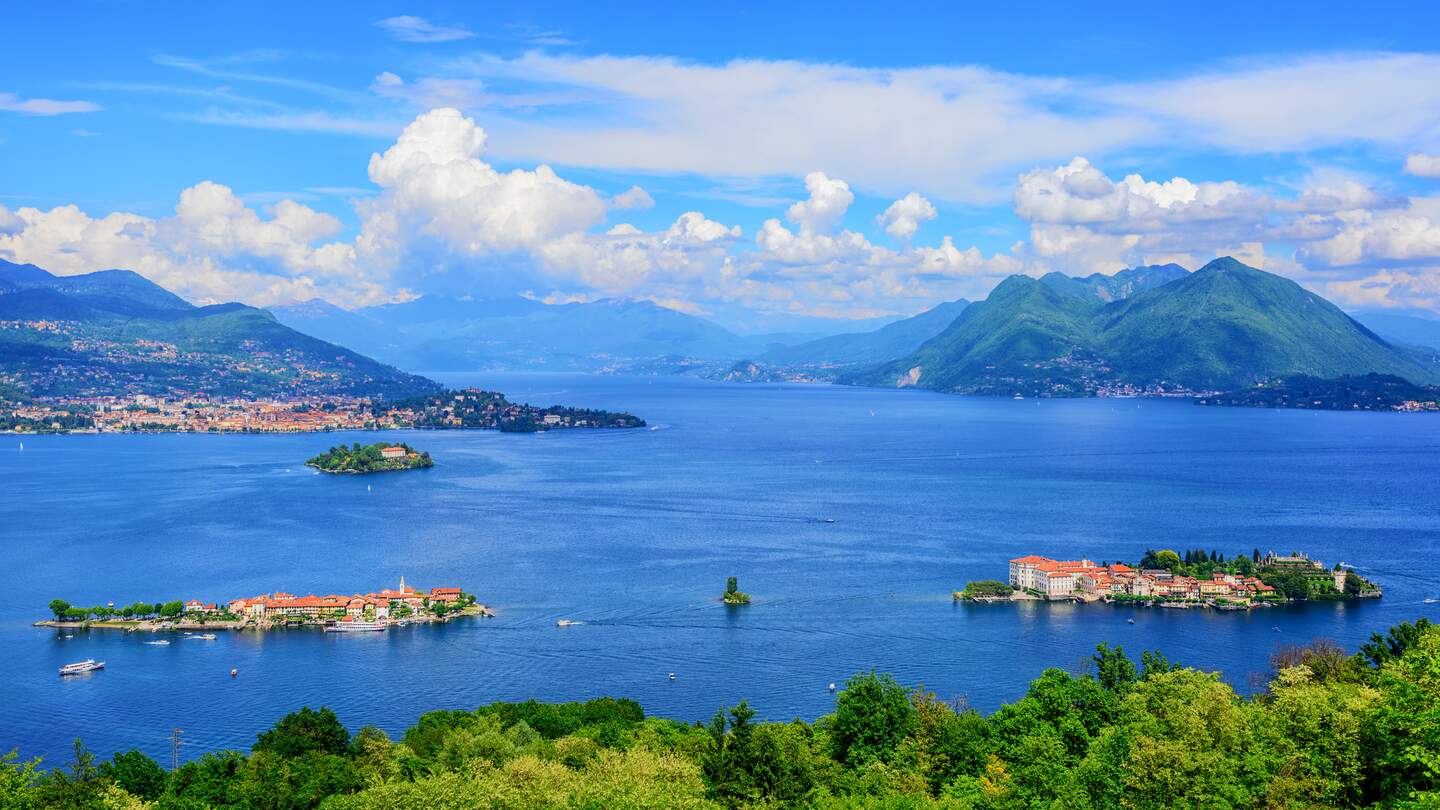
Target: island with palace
1166, 579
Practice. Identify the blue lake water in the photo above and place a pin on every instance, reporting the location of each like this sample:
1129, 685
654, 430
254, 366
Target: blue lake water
634, 533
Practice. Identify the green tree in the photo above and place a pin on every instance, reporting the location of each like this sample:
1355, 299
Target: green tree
872, 715
1381, 649
1406, 724
138, 774
59, 607
304, 731
1167, 559
1113, 669
80, 787
17, 781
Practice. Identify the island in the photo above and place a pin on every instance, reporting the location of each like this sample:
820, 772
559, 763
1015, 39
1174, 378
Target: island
732, 595
1166, 579
1360, 392
476, 409
360, 459
374, 611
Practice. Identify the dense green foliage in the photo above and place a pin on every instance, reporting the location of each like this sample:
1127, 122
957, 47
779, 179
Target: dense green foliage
66, 612
368, 458
985, 589
1224, 326
1364, 392
1330, 730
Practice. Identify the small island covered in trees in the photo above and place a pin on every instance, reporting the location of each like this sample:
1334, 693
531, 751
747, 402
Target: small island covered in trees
733, 595
358, 459
1166, 579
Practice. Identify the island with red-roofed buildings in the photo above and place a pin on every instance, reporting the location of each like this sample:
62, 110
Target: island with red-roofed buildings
378, 610
1166, 579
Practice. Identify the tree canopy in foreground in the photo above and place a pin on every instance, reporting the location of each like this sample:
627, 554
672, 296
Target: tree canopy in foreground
1329, 730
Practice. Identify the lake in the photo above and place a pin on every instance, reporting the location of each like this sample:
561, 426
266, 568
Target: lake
634, 532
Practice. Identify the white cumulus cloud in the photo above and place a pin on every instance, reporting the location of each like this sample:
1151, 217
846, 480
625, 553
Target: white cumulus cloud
902, 219
1423, 165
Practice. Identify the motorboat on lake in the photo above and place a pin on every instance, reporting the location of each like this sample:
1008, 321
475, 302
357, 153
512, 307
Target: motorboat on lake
81, 667
160, 643
565, 623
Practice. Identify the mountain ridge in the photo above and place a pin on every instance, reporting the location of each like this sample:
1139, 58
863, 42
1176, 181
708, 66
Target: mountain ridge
115, 333
1224, 326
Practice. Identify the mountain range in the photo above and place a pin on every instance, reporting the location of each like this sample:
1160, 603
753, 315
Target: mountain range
1227, 325
113, 332
1155, 328
439, 333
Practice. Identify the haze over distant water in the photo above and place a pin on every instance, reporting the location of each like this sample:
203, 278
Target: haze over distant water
634, 532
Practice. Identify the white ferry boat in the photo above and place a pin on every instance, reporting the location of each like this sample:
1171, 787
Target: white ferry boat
354, 627
88, 665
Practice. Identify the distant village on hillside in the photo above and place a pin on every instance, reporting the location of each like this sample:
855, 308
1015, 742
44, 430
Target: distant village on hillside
1166, 579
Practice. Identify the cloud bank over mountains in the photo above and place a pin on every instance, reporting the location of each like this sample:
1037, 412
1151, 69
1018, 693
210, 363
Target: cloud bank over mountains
443, 218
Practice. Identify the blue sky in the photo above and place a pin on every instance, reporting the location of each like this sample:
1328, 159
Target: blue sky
1303, 136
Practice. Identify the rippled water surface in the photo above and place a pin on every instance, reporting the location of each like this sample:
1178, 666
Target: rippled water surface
634, 532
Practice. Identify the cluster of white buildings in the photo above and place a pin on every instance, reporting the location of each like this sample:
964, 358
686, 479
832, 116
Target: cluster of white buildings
1083, 579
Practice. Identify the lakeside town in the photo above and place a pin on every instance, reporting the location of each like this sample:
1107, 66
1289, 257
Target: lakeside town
466, 409
378, 610
1166, 579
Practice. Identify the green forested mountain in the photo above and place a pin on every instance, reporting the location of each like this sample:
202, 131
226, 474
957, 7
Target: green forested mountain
114, 333
1224, 326
1328, 730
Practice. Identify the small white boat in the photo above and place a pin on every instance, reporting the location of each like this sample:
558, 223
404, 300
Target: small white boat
672, 676
79, 667
354, 627
161, 643
1430, 601
829, 520
832, 686
205, 636
566, 623
1018, 396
